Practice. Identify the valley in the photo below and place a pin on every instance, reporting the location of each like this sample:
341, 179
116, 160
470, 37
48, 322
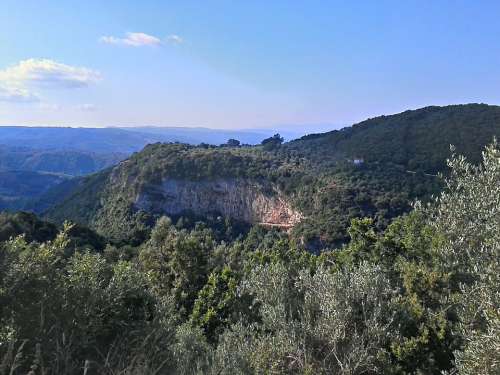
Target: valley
249, 187
18, 189
212, 241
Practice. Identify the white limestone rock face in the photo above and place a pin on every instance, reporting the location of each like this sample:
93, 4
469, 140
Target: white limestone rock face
239, 199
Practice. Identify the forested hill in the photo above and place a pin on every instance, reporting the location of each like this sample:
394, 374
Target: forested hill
67, 162
418, 139
420, 297
288, 258
313, 178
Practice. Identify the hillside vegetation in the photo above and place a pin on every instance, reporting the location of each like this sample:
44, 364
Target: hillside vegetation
81, 151
365, 283
419, 140
420, 297
399, 158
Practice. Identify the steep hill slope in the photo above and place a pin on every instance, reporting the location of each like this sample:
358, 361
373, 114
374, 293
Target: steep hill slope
418, 139
310, 185
180, 179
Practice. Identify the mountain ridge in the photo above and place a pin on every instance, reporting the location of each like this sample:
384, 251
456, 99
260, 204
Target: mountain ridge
315, 174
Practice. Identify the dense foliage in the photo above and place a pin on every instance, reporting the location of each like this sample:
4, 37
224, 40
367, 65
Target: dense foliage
418, 140
372, 169
420, 297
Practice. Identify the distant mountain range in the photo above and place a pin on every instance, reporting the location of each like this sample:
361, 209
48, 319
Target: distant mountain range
122, 140
35, 159
67, 162
195, 136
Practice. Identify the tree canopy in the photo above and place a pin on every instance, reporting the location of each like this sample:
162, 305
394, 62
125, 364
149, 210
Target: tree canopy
419, 297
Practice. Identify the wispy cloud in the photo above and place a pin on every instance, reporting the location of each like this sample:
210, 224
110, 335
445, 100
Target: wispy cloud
132, 40
46, 73
141, 40
175, 39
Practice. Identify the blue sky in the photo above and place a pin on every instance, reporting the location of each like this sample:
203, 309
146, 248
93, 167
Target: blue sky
242, 64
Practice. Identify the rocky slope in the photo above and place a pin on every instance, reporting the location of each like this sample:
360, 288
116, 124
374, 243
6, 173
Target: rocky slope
240, 199
178, 180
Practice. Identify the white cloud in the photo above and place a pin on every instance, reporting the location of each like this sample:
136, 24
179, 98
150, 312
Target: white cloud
18, 81
174, 39
132, 40
16, 95
47, 74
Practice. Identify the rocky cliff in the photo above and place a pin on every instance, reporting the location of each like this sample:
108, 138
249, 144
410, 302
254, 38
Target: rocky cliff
239, 199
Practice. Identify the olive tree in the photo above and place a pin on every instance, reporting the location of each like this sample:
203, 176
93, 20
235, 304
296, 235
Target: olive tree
467, 217
326, 322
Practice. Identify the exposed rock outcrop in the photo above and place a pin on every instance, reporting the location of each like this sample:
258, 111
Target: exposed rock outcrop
239, 199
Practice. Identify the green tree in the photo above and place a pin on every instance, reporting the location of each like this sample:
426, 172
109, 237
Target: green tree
176, 262
233, 142
273, 142
468, 217
310, 324
219, 305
